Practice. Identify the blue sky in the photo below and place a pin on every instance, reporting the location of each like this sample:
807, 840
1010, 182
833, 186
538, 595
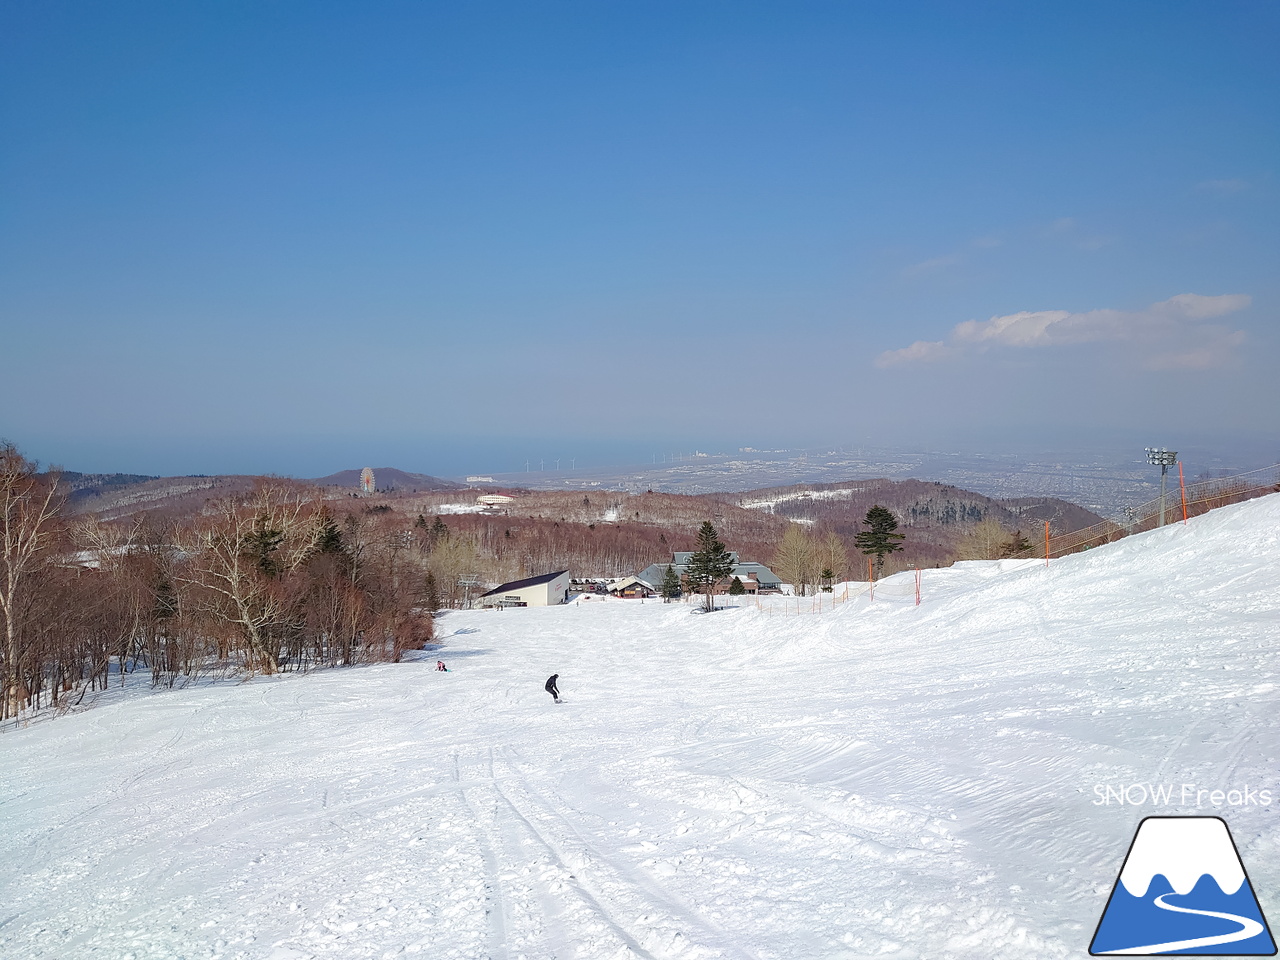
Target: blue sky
297, 237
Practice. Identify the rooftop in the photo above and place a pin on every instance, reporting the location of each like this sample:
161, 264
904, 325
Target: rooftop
527, 582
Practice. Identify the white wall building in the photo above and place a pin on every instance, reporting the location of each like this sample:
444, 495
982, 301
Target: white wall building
544, 591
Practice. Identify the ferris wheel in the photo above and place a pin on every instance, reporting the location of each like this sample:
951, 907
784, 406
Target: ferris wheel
366, 480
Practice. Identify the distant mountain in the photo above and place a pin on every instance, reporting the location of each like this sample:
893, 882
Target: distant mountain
387, 479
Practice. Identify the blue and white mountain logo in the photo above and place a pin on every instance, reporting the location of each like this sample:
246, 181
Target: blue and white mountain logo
1183, 892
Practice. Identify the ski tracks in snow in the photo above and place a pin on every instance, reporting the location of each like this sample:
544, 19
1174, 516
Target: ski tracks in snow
554, 892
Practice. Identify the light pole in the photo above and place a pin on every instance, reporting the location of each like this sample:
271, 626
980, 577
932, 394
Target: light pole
1164, 459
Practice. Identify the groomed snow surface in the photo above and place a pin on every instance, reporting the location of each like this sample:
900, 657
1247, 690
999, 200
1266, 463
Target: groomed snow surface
878, 781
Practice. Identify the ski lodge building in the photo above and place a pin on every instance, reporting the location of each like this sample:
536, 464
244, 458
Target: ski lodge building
544, 591
632, 587
755, 577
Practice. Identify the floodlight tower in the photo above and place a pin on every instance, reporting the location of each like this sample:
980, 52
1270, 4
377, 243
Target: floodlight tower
1164, 459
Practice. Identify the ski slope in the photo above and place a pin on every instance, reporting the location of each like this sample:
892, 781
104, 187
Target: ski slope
879, 781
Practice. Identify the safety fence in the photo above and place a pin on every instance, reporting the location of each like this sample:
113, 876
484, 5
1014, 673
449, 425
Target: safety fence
1180, 502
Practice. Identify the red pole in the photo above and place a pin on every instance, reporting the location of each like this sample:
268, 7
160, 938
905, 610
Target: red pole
1046, 543
917, 586
1183, 484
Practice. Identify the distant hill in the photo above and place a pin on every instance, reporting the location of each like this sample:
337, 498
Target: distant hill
920, 504
115, 495
388, 479
89, 486
112, 496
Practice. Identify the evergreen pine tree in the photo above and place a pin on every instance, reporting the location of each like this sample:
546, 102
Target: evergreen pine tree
166, 599
433, 594
879, 538
1017, 545
828, 577
261, 545
670, 588
709, 564
329, 539
736, 589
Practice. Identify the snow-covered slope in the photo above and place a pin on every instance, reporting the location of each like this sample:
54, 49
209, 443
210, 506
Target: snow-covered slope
882, 780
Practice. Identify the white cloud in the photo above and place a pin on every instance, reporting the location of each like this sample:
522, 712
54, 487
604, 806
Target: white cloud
1195, 307
1171, 334
922, 351
1023, 329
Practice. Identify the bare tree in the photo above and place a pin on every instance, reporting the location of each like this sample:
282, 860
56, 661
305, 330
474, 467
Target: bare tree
833, 556
453, 559
29, 508
984, 540
795, 560
239, 558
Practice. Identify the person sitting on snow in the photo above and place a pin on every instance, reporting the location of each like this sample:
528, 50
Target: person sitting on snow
440, 666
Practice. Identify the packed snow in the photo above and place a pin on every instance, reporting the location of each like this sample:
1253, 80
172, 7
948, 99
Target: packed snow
957, 779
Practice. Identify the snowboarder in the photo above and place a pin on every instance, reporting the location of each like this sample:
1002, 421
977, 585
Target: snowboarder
551, 688
440, 666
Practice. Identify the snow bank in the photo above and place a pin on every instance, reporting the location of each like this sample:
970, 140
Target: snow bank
878, 780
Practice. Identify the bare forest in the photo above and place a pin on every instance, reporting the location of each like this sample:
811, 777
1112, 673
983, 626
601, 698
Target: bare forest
262, 582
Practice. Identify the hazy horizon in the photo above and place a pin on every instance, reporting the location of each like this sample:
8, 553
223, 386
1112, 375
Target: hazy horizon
459, 461
295, 238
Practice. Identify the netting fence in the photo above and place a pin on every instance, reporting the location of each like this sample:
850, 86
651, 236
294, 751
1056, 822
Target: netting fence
1179, 502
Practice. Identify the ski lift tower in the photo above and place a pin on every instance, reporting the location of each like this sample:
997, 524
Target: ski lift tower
1164, 459
467, 583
